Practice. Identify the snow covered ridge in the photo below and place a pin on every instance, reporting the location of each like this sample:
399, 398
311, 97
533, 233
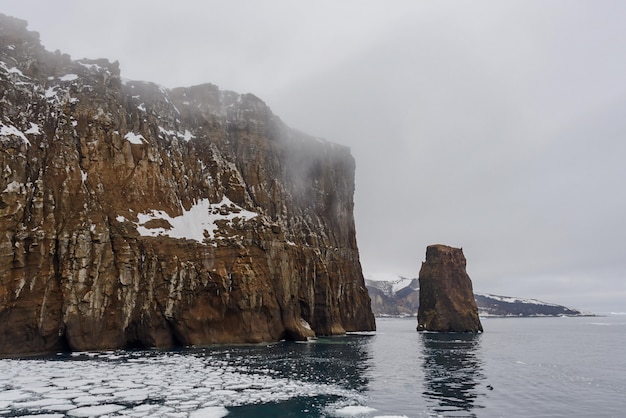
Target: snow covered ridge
388, 283
201, 221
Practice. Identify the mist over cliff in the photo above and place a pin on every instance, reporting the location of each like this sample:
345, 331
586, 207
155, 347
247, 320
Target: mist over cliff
132, 215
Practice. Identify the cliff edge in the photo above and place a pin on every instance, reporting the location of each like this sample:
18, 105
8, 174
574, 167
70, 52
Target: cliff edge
132, 215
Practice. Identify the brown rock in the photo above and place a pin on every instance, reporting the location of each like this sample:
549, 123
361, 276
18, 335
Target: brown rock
136, 216
446, 297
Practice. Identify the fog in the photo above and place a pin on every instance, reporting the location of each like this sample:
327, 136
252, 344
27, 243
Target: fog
494, 126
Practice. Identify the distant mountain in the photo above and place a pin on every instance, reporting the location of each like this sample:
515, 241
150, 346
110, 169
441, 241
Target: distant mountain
399, 296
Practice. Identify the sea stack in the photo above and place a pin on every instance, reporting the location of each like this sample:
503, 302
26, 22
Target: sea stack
446, 297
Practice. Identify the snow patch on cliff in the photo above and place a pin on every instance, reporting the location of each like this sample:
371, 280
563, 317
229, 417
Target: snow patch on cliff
10, 130
201, 218
134, 138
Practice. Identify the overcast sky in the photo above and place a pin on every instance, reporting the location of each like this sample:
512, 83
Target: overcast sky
496, 126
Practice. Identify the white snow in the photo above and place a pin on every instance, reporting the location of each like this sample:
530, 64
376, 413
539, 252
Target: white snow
13, 187
91, 66
34, 129
10, 130
167, 131
509, 299
192, 224
134, 138
69, 77
142, 107
50, 92
388, 282
188, 136
14, 70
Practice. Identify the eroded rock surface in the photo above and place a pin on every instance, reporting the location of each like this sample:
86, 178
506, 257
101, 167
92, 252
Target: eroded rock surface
136, 216
446, 298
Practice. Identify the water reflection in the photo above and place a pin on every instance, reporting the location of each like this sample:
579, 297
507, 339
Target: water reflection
341, 360
453, 371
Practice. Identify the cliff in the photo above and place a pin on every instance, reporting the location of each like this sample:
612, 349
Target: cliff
136, 216
446, 299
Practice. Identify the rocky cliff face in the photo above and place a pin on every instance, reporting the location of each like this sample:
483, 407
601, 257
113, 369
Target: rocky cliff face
446, 298
136, 216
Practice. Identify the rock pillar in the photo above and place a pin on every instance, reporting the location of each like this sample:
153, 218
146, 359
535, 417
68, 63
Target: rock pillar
446, 297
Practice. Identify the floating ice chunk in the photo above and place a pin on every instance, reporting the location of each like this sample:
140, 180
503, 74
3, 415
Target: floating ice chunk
134, 138
353, 410
95, 411
44, 403
209, 412
92, 399
43, 416
65, 394
391, 416
69, 77
13, 395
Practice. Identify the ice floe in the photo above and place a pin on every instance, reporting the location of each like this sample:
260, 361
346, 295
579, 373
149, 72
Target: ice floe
353, 410
147, 384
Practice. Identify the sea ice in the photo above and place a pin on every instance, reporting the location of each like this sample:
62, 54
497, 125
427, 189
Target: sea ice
95, 411
14, 395
353, 410
209, 412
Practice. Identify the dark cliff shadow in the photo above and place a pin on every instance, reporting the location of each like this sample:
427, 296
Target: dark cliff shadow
453, 372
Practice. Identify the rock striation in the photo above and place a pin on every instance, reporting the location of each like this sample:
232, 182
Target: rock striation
132, 215
446, 298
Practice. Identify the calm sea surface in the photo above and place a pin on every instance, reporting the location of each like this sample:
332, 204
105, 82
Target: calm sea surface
539, 367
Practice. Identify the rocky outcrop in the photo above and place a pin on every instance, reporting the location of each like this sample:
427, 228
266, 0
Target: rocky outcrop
400, 297
446, 297
136, 216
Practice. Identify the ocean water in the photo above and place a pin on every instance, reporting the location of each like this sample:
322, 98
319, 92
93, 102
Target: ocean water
519, 367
